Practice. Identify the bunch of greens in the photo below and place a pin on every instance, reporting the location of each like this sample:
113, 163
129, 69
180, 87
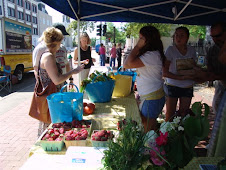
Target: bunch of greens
127, 151
96, 76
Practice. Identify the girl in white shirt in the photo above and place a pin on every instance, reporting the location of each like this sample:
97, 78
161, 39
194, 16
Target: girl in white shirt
148, 57
178, 86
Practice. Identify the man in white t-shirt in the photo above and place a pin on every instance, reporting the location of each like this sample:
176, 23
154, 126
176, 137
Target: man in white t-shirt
61, 54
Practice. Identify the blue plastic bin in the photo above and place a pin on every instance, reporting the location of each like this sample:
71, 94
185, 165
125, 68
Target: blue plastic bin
100, 92
65, 106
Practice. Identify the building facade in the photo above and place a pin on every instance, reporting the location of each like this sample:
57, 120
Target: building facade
27, 12
68, 39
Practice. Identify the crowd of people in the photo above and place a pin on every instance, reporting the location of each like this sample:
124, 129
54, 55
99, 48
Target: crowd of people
161, 78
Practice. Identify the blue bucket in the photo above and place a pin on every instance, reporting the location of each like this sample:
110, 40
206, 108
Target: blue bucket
65, 106
100, 92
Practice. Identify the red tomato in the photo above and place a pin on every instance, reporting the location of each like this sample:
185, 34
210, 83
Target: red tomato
88, 110
92, 105
84, 104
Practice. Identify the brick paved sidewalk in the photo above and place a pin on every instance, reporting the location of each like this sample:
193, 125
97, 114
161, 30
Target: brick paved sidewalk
19, 132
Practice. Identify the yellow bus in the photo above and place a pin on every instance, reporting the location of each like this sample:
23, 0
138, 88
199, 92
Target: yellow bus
15, 46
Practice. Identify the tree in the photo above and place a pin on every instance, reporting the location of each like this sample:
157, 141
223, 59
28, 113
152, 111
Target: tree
93, 42
120, 36
84, 26
197, 31
132, 29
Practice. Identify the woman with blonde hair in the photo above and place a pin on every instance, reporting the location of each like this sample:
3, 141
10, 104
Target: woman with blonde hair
49, 70
85, 54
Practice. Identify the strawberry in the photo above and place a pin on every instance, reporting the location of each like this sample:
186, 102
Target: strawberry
58, 139
61, 130
55, 129
74, 135
50, 139
101, 133
57, 125
78, 138
56, 133
68, 138
47, 136
50, 131
53, 136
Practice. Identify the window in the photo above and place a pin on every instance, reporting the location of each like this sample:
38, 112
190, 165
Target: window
12, 1
34, 20
27, 5
0, 10
20, 3
28, 18
34, 8
20, 15
11, 12
35, 31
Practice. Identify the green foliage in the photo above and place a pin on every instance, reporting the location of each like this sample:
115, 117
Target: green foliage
198, 125
96, 76
197, 30
85, 26
93, 42
126, 153
120, 36
132, 29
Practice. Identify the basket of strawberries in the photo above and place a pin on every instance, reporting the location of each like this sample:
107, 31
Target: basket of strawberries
52, 140
75, 137
100, 138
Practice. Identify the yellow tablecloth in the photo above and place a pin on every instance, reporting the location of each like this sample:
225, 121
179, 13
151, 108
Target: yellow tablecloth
196, 161
105, 116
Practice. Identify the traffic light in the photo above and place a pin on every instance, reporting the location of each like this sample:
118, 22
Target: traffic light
104, 30
99, 30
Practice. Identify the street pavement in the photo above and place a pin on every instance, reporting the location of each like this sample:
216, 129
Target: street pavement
18, 131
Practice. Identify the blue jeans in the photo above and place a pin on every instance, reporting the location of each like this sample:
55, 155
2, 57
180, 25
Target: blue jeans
102, 60
152, 108
112, 61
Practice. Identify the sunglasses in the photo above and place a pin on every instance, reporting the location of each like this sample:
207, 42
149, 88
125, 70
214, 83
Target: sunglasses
218, 35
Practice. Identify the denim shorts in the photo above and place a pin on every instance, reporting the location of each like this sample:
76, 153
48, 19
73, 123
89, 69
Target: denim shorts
173, 91
152, 108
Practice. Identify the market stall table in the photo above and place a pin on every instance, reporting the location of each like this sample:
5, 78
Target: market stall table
196, 161
105, 116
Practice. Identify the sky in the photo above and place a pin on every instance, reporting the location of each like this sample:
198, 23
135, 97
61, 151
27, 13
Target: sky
57, 16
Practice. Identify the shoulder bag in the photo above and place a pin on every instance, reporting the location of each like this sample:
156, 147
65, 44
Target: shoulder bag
39, 105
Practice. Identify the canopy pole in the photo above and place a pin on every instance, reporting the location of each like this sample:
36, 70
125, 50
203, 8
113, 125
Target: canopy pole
69, 2
79, 57
182, 10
